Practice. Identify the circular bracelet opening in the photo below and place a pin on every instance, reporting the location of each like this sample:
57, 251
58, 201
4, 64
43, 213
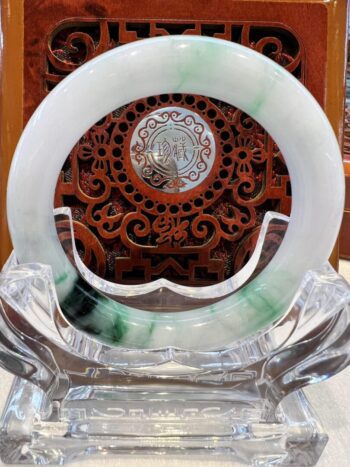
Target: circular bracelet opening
171, 159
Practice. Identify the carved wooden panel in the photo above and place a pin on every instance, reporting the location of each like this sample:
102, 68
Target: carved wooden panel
139, 232
73, 43
67, 33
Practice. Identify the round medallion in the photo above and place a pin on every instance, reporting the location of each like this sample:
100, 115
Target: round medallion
172, 149
200, 155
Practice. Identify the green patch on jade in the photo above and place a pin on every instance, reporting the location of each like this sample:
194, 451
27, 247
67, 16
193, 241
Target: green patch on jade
120, 328
199, 63
267, 89
60, 279
257, 104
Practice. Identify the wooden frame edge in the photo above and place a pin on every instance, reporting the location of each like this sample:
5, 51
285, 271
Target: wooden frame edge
336, 71
11, 102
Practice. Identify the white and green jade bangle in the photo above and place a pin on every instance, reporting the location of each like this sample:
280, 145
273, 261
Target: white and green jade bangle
195, 65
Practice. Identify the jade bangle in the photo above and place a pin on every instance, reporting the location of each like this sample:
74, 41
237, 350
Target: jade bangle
194, 65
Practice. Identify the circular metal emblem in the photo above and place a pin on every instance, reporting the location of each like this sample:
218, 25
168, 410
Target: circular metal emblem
172, 149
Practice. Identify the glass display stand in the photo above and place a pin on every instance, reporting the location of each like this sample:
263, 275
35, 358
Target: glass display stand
73, 397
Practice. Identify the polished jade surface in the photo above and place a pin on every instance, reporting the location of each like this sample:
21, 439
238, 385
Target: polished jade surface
195, 65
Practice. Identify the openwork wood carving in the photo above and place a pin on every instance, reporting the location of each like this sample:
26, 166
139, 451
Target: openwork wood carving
187, 203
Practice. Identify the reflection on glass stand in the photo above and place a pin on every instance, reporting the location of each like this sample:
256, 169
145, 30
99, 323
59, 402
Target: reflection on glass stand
74, 397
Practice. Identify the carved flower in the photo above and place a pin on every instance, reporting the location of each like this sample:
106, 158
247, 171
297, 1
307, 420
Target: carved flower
97, 150
247, 152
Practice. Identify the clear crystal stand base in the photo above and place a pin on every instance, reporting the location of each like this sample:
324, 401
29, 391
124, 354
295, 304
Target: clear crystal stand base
75, 397
94, 421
